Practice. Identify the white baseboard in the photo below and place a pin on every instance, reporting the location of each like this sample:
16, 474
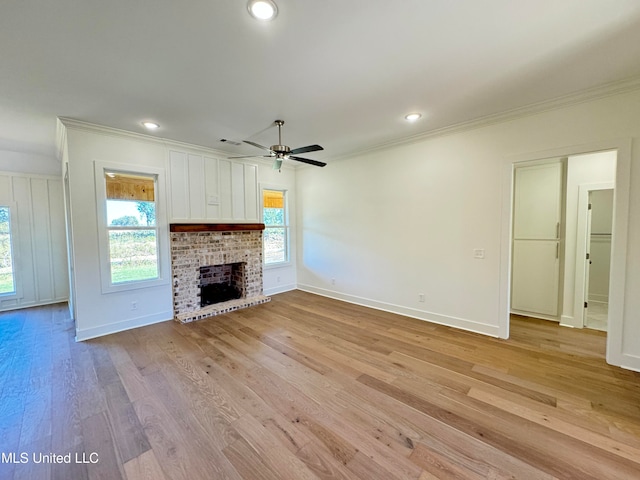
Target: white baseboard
569, 321
464, 324
625, 360
539, 316
123, 325
20, 306
280, 289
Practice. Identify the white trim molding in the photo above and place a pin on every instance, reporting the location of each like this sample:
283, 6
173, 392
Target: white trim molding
461, 323
94, 332
161, 227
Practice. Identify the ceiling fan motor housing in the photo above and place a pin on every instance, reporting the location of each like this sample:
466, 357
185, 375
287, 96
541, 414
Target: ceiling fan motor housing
283, 149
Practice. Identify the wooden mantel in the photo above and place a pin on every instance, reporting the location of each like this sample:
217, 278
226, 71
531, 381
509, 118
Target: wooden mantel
214, 227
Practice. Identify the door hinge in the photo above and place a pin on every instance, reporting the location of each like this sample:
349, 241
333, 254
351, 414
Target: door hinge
588, 256
586, 304
589, 206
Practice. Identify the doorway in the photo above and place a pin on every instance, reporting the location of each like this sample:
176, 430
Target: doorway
550, 212
598, 258
572, 304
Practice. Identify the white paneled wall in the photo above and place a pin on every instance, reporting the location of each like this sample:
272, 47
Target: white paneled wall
206, 188
38, 237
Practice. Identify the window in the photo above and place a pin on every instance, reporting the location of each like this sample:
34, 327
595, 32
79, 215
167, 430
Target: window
131, 228
276, 221
7, 278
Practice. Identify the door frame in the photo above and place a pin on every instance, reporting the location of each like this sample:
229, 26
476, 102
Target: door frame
70, 244
617, 286
581, 248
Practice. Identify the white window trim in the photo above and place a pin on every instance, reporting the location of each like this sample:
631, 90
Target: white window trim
287, 225
15, 255
164, 268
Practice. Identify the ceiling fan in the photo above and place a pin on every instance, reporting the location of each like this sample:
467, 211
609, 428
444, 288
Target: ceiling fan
282, 152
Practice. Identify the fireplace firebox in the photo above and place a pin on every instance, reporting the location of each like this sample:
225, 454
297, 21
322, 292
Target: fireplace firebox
221, 283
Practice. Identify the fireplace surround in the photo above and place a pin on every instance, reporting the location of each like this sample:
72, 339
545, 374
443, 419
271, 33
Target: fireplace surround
210, 247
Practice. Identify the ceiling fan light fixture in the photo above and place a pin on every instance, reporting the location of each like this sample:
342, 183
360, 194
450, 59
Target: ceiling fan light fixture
263, 9
412, 117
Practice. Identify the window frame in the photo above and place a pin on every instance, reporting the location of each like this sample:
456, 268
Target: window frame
13, 234
162, 237
286, 226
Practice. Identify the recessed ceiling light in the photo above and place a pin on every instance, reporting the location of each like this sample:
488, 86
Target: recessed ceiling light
412, 117
150, 125
263, 9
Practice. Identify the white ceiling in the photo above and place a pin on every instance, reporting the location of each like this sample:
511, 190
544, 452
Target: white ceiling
340, 73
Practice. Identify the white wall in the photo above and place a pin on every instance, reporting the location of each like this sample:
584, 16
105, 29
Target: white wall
585, 170
393, 223
29, 163
602, 211
99, 313
38, 238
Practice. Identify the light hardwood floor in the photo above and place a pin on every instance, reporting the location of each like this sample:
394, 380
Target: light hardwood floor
307, 387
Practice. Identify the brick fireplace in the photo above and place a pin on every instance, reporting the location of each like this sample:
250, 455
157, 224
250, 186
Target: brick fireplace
205, 254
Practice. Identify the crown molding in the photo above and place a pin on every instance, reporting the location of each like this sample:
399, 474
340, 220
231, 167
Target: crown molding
72, 123
65, 123
61, 139
594, 93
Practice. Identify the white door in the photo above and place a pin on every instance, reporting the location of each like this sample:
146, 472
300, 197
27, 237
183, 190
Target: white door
536, 240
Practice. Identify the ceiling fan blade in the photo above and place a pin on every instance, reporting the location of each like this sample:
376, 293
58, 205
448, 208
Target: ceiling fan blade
257, 145
250, 156
308, 148
308, 160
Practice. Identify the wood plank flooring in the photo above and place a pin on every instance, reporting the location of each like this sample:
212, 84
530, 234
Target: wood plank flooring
306, 387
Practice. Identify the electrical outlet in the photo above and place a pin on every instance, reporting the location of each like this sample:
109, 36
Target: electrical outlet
421, 297
278, 279
333, 281
134, 305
